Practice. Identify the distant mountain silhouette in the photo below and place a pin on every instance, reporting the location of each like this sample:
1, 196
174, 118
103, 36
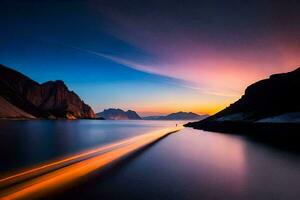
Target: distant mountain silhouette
178, 116
272, 100
118, 114
22, 97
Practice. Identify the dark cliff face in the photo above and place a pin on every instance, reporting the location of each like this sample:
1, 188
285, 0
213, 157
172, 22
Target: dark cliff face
118, 114
48, 100
59, 101
275, 96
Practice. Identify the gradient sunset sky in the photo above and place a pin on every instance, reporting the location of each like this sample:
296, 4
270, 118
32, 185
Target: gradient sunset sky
156, 56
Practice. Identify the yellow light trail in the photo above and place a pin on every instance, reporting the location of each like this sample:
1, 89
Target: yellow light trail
81, 164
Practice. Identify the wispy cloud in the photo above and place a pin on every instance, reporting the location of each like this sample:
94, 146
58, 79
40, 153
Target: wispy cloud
218, 59
125, 62
154, 70
214, 93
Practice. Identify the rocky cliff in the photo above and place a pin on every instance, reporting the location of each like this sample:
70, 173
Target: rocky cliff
273, 100
48, 100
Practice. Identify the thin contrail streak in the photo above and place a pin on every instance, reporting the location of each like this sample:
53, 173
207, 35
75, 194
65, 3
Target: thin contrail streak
122, 61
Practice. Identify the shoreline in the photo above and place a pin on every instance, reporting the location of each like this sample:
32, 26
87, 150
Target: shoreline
282, 135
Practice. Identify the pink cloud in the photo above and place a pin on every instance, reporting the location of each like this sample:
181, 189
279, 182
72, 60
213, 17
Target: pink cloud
212, 64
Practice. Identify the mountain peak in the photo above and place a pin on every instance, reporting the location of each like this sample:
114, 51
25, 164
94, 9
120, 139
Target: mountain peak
50, 99
118, 114
58, 83
178, 116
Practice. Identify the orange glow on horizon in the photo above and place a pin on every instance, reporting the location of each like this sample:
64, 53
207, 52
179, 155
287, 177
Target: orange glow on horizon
203, 109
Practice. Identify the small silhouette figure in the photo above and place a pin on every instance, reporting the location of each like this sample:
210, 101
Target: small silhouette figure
176, 125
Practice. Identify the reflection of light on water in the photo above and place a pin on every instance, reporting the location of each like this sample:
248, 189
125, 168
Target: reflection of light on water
60, 174
217, 156
228, 155
50, 166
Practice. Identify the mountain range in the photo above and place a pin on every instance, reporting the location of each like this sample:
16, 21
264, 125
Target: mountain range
178, 116
118, 114
22, 97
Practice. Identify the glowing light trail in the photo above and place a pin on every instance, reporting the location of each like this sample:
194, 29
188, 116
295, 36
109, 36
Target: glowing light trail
57, 177
62, 162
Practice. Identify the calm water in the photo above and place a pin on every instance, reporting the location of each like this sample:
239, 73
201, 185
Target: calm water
190, 164
25, 143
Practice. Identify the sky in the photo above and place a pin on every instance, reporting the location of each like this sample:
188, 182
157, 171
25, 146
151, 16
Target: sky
151, 56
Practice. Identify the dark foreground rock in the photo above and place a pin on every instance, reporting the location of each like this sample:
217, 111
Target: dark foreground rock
247, 127
275, 96
281, 135
268, 111
275, 99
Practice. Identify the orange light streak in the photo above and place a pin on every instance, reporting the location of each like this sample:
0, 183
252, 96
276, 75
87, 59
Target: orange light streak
63, 162
55, 179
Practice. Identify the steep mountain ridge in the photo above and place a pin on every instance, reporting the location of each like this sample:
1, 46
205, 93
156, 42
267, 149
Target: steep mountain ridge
272, 100
48, 100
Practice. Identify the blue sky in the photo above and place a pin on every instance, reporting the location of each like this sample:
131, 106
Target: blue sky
99, 81
154, 57
39, 44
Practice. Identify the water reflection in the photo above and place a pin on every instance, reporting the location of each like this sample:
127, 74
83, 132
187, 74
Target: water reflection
218, 155
25, 143
85, 163
191, 164
194, 164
